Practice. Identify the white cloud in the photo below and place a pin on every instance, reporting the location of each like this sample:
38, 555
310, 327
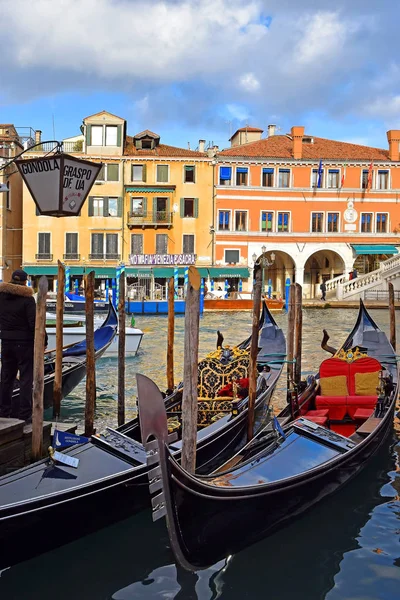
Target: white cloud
249, 82
238, 112
324, 36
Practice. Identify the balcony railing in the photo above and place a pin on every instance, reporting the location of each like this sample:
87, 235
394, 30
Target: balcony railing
44, 256
104, 256
72, 256
68, 147
159, 218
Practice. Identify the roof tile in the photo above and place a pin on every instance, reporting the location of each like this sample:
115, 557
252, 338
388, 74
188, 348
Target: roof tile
161, 150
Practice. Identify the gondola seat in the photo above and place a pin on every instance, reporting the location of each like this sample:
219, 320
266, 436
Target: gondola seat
348, 386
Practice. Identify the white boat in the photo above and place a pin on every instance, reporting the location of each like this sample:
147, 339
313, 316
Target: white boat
74, 330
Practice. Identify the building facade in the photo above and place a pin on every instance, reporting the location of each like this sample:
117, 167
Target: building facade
321, 208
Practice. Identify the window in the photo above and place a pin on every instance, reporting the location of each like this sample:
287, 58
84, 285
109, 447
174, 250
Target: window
382, 222
161, 209
268, 177
111, 135
138, 173
112, 246
317, 220
225, 175
138, 208
366, 222
333, 178
188, 244
333, 222
232, 256
161, 243
364, 179
314, 178
284, 178
382, 182
241, 175
44, 246
97, 246
147, 144
104, 206
189, 208
283, 221
266, 220
224, 217
109, 172
162, 173
189, 175
137, 243
240, 220
71, 246
96, 135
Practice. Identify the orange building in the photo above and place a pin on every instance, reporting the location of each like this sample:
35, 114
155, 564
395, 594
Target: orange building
321, 208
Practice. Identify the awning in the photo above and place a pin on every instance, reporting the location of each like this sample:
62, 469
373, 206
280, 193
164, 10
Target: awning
41, 270
140, 189
163, 272
374, 249
100, 272
138, 272
226, 272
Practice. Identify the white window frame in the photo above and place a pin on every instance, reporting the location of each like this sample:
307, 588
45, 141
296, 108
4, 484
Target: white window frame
324, 179
290, 178
229, 250
290, 221
102, 135
367, 212
229, 210
77, 241
231, 179
339, 178
317, 212
382, 212
361, 178
261, 177
248, 184
247, 219
169, 172
332, 212
273, 220
389, 186
110, 126
194, 243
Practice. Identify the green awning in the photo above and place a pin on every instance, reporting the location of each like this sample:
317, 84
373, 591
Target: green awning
151, 190
374, 249
138, 272
228, 272
163, 272
100, 272
39, 270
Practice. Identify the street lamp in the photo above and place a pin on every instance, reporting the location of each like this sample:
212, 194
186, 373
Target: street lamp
263, 262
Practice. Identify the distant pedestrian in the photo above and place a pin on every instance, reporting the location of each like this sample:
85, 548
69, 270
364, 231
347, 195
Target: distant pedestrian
322, 287
17, 333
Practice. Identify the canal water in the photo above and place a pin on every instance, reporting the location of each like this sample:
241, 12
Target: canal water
347, 548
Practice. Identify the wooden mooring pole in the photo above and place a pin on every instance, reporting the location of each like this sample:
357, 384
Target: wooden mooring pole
392, 316
298, 332
171, 333
90, 362
290, 332
190, 367
59, 340
38, 370
254, 351
121, 350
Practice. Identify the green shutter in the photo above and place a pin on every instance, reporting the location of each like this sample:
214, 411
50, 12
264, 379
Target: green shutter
155, 209
88, 135
119, 207
196, 207
91, 211
145, 206
119, 135
138, 144
182, 211
144, 173
105, 206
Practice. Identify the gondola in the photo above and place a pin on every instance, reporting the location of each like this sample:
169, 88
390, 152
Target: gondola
73, 303
112, 471
74, 360
319, 441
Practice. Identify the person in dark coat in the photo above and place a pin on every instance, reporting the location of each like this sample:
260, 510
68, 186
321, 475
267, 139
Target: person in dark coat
17, 333
322, 287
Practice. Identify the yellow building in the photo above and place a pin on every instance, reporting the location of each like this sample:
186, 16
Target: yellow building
11, 203
150, 201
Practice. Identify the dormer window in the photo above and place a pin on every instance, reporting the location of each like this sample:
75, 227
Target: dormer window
111, 135
147, 144
97, 135
104, 135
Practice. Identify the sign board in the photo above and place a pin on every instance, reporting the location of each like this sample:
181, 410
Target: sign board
162, 259
59, 183
4, 187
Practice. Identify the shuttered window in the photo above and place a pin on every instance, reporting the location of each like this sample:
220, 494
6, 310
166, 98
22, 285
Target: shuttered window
138, 173
105, 206
161, 243
44, 243
189, 208
162, 173
97, 245
137, 243
189, 174
112, 245
188, 244
71, 243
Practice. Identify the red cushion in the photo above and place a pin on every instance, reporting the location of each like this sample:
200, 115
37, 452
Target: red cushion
323, 412
317, 420
333, 366
362, 414
356, 402
362, 365
337, 406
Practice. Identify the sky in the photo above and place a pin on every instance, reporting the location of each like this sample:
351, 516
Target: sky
200, 69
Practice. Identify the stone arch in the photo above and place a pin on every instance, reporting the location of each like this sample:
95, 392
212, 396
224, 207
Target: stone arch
282, 268
321, 265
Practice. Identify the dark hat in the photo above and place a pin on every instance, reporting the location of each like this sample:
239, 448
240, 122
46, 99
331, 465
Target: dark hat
19, 276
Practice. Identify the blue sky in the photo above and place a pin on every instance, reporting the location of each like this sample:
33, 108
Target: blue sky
202, 68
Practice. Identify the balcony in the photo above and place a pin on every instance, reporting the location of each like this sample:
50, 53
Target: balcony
71, 256
44, 256
106, 256
149, 219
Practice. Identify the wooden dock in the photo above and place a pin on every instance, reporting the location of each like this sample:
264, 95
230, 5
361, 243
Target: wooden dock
16, 442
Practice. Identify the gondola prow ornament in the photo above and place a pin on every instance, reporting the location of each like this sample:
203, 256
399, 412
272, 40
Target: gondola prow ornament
59, 183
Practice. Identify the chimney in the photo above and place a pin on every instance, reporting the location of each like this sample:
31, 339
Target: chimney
38, 136
271, 130
202, 144
297, 136
393, 136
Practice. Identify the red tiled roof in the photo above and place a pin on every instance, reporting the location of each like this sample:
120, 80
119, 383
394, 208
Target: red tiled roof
281, 146
146, 132
3, 125
160, 150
